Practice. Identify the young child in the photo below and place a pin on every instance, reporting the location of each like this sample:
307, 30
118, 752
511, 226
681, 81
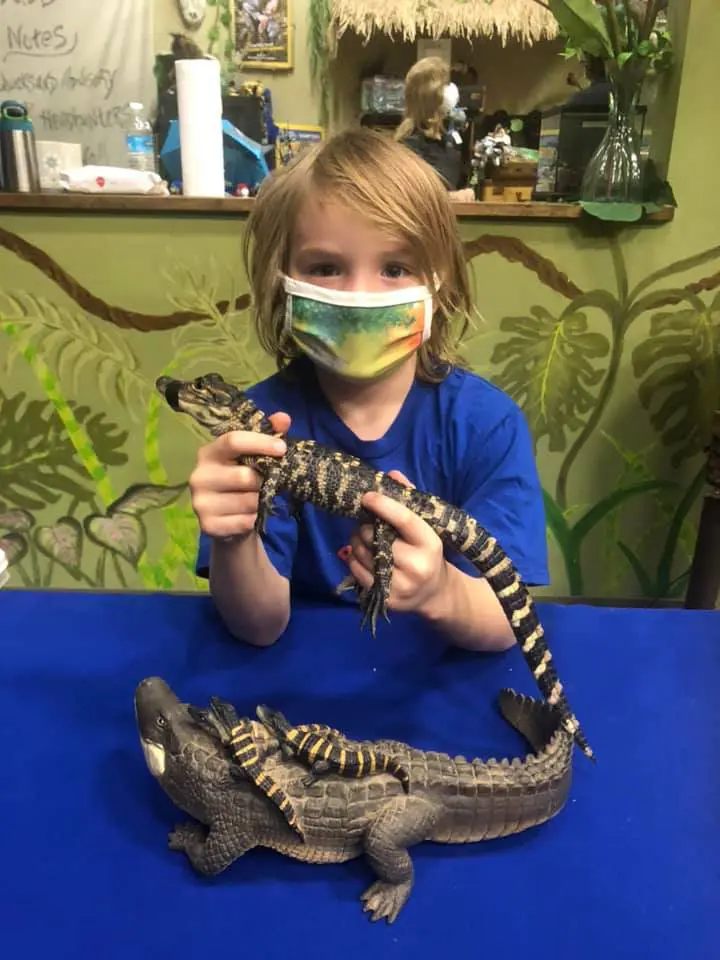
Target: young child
360, 292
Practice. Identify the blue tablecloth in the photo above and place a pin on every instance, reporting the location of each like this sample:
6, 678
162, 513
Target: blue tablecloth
629, 869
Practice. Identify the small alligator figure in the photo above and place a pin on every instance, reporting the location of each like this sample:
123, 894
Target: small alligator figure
327, 750
235, 733
451, 800
337, 482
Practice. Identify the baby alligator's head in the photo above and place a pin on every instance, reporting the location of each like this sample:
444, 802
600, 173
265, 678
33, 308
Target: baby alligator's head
213, 403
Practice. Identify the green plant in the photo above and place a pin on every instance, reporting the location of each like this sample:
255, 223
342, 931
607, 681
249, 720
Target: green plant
630, 36
222, 24
320, 50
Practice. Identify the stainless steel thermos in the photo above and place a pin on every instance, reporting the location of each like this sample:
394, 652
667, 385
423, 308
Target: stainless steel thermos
19, 168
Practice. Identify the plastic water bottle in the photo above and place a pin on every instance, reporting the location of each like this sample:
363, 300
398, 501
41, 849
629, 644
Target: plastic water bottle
140, 141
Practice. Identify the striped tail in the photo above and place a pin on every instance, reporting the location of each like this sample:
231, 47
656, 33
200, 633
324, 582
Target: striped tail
393, 766
486, 555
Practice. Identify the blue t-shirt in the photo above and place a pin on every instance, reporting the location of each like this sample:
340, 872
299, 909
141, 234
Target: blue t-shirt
463, 439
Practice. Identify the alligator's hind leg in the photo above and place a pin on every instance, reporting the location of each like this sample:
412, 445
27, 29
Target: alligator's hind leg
400, 824
373, 602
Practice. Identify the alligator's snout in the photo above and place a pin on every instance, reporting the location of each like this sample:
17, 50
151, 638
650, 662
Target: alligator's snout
170, 389
154, 707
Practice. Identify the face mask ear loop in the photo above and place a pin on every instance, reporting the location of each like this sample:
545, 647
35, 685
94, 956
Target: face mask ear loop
287, 326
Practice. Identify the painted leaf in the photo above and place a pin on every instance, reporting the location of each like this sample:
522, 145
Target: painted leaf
14, 546
122, 533
63, 541
16, 520
549, 370
584, 25
679, 369
38, 463
141, 497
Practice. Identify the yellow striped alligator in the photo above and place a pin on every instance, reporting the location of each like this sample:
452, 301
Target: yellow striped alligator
451, 800
325, 749
337, 483
236, 733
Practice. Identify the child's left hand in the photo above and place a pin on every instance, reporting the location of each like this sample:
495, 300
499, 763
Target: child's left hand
420, 569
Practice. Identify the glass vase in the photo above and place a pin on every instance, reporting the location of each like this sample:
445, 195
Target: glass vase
614, 172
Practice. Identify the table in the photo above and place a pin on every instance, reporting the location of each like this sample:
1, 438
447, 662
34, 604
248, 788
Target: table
629, 869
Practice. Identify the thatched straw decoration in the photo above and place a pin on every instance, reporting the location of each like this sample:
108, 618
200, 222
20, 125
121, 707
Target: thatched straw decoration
523, 20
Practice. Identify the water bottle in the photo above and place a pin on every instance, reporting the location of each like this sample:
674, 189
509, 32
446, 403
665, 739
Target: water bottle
140, 141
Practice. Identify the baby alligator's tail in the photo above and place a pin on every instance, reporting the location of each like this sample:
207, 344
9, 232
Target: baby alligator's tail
484, 552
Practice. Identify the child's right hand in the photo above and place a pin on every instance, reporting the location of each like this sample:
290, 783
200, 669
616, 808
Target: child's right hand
224, 495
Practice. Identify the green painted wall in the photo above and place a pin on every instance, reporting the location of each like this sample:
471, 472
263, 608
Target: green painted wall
610, 340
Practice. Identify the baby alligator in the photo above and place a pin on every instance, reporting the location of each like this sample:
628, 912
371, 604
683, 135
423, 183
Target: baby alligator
327, 750
337, 482
222, 721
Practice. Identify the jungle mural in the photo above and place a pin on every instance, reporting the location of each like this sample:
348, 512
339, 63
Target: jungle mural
93, 471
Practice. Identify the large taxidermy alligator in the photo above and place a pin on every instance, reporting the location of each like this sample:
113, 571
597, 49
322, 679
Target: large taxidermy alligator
448, 799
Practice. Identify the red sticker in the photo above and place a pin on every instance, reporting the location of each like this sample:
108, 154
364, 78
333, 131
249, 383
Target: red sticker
100, 181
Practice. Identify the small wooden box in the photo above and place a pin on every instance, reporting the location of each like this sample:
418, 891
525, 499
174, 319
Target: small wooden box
512, 182
514, 191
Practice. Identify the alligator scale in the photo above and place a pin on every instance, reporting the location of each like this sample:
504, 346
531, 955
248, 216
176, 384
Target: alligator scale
336, 482
339, 818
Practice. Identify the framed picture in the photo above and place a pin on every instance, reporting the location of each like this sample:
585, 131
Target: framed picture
293, 138
262, 33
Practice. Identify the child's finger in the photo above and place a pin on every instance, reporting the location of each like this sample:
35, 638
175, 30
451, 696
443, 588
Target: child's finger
362, 575
410, 527
400, 477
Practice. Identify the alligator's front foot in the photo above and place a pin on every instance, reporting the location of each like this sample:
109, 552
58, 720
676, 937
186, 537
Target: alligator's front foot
186, 835
209, 852
386, 900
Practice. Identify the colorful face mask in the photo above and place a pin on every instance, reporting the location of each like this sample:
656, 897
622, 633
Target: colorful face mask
356, 334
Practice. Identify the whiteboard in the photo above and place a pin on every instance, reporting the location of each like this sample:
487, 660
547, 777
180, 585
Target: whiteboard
77, 64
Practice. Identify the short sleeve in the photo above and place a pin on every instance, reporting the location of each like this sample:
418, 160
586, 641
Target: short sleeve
279, 540
500, 487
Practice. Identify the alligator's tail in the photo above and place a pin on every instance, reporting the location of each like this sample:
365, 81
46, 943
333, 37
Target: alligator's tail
535, 720
465, 535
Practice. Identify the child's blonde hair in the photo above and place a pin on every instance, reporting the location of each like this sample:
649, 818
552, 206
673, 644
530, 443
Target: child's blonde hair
382, 181
425, 84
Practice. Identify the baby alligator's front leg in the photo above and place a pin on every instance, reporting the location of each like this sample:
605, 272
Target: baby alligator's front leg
272, 474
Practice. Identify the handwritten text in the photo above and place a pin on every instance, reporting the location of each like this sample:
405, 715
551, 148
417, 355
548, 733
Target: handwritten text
36, 42
49, 82
74, 120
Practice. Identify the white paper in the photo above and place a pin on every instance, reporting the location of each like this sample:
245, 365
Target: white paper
199, 100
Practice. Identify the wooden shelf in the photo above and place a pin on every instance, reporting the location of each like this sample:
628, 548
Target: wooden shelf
223, 206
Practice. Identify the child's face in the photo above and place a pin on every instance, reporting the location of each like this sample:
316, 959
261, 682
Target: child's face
333, 247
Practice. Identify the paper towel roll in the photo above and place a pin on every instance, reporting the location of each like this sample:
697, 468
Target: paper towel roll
199, 100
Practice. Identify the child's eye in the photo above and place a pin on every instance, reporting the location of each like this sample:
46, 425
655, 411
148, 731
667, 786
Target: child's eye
396, 271
323, 269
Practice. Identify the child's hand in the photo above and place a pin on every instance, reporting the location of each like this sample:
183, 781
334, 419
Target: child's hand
224, 495
420, 570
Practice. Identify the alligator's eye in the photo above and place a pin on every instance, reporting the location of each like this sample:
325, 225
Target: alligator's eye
199, 383
160, 720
